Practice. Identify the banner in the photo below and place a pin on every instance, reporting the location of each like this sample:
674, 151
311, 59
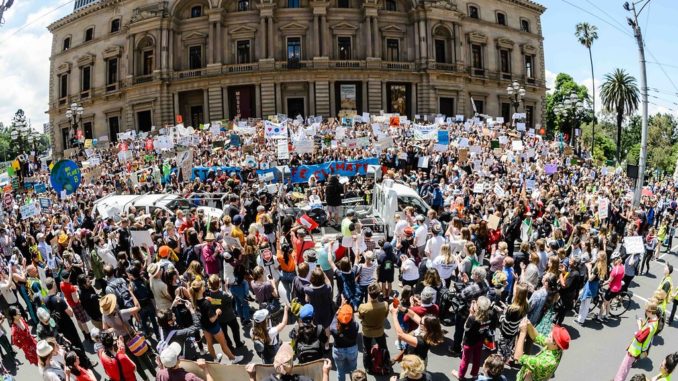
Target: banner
201, 172
275, 130
422, 132
349, 168
65, 176
29, 210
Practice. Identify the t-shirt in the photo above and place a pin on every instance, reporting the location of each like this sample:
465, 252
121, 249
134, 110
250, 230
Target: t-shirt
68, 290
475, 331
445, 270
286, 377
176, 374
366, 273
616, 277
421, 350
409, 270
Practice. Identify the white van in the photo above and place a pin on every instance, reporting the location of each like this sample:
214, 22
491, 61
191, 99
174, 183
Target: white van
390, 198
113, 205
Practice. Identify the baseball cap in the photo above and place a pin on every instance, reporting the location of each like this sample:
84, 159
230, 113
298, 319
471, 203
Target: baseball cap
260, 316
306, 312
170, 355
345, 314
427, 296
561, 337
409, 231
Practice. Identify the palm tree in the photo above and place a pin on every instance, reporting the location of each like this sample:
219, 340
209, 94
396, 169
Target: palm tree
619, 94
586, 34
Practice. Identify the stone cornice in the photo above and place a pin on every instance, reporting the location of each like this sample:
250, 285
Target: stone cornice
529, 4
82, 12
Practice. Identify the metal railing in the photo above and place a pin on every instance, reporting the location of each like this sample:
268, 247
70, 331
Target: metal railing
444, 66
194, 73
347, 64
143, 78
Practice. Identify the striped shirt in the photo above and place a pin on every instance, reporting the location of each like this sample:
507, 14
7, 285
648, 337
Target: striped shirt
366, 274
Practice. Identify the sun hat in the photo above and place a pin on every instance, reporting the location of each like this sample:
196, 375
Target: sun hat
169, 357
153, 269
44, 348
45, 316
260, 316
306, 312
108, 303
210, 237
561, 337
284, 356
345, 314
63, 238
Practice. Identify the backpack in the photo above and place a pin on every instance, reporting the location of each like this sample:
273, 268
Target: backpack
449, 306
119, 288
380, 361
309, 351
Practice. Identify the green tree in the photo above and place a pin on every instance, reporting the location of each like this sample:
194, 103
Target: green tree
605, 147
587, 33
563, 87
619, 93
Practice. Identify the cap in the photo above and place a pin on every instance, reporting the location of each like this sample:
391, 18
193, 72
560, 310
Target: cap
237, 220
310, 254
170, 355
260, 316
164, 251
44, 348
561, 337
345, 314
306, 312
421, 217
284, 355
427, 296
409, 231
350, 212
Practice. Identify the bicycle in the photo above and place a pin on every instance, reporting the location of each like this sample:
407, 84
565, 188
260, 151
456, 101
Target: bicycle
618, 305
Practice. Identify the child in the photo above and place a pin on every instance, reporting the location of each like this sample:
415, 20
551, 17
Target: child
493, 366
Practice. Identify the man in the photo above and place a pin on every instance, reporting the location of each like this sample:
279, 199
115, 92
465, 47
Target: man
373, 315
169, 358
666, 285
163, 300
142, 291
283, 363
118, 287
543, 365
347, 229
420, 235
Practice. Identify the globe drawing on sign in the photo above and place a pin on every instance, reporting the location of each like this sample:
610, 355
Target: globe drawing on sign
65, 176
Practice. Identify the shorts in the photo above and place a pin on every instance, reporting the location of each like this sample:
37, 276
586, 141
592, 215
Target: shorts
609, 295
214, 330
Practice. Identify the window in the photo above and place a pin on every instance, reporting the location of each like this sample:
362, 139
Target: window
111, 71
344, 44
67, 43
440, 51
89, 34
294, 49
529, 117
86, 78
524, 25
392, 50
63, 86
89, 130
115, 25
529, 66
506, 112
113, 128
501, 19
293, 3
243, 5
479, 106
473, 12
477, 56
195, 57
391, 5
243, 51
504, 61
343, 3
147, 62
196, 11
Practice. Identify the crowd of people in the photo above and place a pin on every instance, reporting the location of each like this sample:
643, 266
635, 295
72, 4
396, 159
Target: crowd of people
517, 234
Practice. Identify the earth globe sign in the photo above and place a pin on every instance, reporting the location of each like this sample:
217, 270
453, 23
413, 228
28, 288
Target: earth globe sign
65, 176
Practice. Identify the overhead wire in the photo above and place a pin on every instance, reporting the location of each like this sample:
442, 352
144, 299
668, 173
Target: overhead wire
36, 20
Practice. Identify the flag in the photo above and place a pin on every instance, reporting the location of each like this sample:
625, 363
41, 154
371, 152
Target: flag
307, 222
10, 171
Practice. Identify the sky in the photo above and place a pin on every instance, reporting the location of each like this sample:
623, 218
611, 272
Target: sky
25, 44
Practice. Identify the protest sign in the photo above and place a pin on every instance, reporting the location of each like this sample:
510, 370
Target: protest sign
141, 238
65, 176
422, 162
493, 222
45, 202
463, 155
603, 208
40, 188
634, 244
479, 188
499, 191
29, 210
275, 130
283, 150
520, 126
422, 132
517, 145
348, 168
550, 169
185, 163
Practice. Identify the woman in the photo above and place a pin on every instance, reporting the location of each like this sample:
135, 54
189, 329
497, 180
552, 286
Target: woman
530, 273
21, 335
428, 334
116, 363
209, 322
265, 291
50, 368
71, 294
266, 337
650, 246
641, 342
89, 300
78, 373
614, 284
497, 257
476, 328
431, 279
595, 272
413, 368
409, 271
509, 322
319, 295
344, 330
446, 264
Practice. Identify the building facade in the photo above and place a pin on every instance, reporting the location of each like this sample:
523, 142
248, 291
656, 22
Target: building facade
135, 64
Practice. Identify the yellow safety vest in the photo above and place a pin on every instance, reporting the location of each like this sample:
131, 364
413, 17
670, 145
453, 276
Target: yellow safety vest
636, 348
671, 290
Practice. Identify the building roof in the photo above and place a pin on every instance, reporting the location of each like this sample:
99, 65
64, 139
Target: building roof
82, 8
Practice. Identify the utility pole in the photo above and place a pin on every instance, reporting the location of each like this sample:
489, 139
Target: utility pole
643, 94
4, 5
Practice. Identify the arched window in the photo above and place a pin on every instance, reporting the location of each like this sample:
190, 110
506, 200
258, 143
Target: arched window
146, 56
443, 45
473, 12
196, 11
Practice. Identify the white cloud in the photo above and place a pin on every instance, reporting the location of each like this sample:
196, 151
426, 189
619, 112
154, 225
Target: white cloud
588, 82
24, 62
550, 80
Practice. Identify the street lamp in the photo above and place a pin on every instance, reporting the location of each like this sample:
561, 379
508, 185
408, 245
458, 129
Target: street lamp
570, 107
516, 93
74, 115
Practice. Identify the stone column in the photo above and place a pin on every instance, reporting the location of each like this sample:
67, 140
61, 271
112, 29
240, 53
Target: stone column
262, 51
130, 56
416, 42
278, 98
326, 36
219, 55
377, 38
270, 42
316, 37
333, 101
368, 38
210, 44
422, 38
311, 98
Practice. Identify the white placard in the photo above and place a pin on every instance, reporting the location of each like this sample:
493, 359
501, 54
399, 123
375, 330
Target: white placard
185, 163
423, 162
29, 210
500, 120
634, 244
479, 188
603, 208
283, 150
499, 191
517, 145
141, 237
520, 126
503, 140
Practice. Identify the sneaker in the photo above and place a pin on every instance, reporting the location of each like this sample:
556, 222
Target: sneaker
236, 360
219, 357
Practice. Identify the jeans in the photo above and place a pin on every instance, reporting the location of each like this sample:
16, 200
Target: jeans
367, 348
242, 308
584, 310
29, 304
470, 354
645, 262
346, 360
460, 320
147, 314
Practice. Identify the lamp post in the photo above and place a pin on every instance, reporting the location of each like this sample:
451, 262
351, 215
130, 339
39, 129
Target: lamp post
74, 115
516, 93
569, 108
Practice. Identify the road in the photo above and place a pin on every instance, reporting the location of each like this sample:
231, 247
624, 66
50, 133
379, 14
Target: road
595, 352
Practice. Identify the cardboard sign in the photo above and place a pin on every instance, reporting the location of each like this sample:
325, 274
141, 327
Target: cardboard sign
493, 222
634, 244
517, 145
141, 238
29, 210
463, 155
603, 208
283, 150
423, 162
499, 191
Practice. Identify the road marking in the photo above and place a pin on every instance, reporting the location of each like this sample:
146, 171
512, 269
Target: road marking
641, 298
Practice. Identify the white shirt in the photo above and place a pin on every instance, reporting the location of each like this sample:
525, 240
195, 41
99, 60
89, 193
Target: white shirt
445, 270
6, 291
409, 270
433, 246
400, 228
420, 235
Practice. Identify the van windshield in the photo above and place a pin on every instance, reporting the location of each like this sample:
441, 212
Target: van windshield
416, 203
179, 203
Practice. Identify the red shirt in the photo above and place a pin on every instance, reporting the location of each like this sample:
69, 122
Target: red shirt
111, 366
433, 309
68, 290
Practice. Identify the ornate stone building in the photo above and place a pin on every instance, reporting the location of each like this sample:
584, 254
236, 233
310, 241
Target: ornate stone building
134, 64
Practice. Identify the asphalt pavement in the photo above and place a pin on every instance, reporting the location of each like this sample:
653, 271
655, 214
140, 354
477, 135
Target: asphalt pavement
595, 353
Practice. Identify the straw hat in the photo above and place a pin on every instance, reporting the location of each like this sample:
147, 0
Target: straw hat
108, 303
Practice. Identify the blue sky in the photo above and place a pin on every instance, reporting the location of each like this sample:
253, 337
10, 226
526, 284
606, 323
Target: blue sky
25, 45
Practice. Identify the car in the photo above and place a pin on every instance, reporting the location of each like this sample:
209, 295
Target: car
114, 205
390, 198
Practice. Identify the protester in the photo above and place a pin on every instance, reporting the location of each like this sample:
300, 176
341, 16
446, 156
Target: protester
542, 366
